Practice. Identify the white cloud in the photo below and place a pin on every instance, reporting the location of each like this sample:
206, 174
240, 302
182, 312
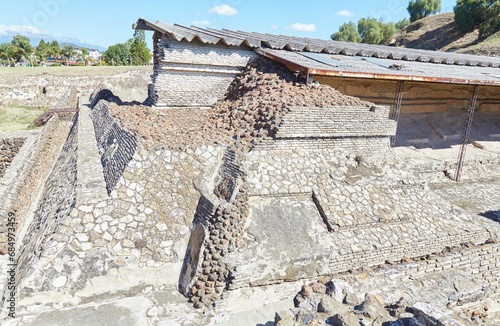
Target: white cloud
345, 13
274, 26
303, 27
225, 10
201, 23
23, 30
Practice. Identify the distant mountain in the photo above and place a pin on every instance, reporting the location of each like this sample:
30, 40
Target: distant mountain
35, 39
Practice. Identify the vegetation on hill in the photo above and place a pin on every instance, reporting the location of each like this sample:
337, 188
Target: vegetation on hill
471, 22
478, 14
439, 33
368, 30
372, 31
419, 9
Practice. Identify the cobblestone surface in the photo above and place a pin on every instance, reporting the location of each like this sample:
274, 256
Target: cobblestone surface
479, 197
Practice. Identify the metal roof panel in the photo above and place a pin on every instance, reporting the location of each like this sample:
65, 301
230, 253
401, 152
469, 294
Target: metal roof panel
292, 43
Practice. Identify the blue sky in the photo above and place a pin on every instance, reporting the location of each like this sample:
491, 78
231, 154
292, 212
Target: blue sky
107, 22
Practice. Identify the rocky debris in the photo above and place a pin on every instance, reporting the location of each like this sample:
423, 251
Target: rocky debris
252, 109
332, 308
8, 151
434, 299
258, 99
225, 229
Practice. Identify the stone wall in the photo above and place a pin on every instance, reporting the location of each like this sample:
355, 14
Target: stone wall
47, 89
119, 245
217, 231
417, 97
116, 145
58, 199
363, 130
9, 147
20, 186
341, 210
192, 74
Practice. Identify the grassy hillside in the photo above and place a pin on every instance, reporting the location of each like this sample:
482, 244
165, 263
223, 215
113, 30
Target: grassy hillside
438, 33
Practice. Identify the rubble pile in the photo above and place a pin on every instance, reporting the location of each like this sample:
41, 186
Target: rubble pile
252, 109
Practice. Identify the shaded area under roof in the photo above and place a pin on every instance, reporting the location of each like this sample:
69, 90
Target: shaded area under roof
302, 44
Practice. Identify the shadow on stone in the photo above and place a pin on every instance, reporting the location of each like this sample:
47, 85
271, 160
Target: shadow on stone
492, 215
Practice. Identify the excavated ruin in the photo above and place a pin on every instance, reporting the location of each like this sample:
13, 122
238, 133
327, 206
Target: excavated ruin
253, 107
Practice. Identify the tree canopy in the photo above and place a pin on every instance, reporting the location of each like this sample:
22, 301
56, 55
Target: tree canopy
7, 52
22, 47
419, 9
368, 30
139, 51
117, 55
133, 52
482, 14
348, 32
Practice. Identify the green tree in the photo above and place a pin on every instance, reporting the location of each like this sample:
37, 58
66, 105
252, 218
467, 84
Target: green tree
118, 54
54, 50
419, 9
388, 31
482, 14
42, 50
68, 51
374, 31
370, 31
22, 48
7, 52
347, 33
85, 55
491, 25
402, 24
139, 52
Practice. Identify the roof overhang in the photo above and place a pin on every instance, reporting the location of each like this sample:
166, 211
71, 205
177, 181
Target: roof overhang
422, 72
361, 60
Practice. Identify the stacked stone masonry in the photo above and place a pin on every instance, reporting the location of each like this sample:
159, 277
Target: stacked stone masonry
223, 223
29, 169
481, 261
192, 75
116, 145
209, 219
143, 224
57, 201
8, 150
336, 122
374, 216
49, 89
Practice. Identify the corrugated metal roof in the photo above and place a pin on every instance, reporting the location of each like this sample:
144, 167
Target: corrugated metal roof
378, 68
302, 44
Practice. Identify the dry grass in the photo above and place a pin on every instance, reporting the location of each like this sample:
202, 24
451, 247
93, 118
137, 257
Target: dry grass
14, 118
438, 33
490, 47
